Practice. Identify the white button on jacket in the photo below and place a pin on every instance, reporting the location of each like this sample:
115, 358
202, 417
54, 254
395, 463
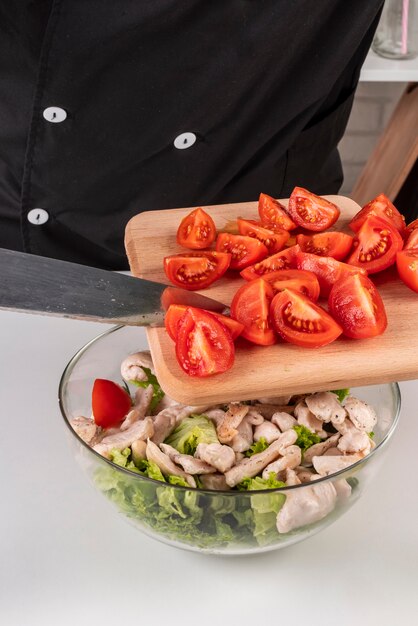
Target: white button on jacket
185, 140
37, 217
54, 114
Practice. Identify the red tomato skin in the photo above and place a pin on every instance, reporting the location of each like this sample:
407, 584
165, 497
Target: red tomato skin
221, 351
339, 244
345, 304
326, 269
310, 211
279, 261
407, 264
175, 268
202, 231
379, 260
258, 292
244, 250
272, 212
412, 241
110, 403
382, 208
176, 312
273, 240
298, 280
411, 227
292, 331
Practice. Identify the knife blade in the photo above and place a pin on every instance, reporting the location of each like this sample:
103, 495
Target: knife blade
35, 284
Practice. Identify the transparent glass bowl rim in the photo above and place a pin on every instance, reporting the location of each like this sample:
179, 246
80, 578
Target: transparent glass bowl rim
73, 361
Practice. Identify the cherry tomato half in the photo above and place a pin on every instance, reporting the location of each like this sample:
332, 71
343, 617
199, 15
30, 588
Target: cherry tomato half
298, 280
411, 227
196, 270
272, 212
196, 231
273, 240
300, 321
381, 207
407, 264
110, 403
357, 306
311, 211
334, 244
326, 269
244, 250
412, 241
176, 311
250, 306
203, 346
279, 261
375, 245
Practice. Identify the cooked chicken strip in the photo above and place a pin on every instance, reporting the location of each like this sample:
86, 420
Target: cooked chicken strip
280, 400
304, 474
142, 403
227, 428
139, 451
165, 422
243, 440
86, 429
306, 506
219, 456
250, 467
308, 419
318, 449
268, 410
355, 441
131, 368
139, 430
284, 421
216, 416
215, 481
267, 431
361, 414
131, 418
291, 458
186, 461
326, 465
332, 452
325, 407
254, 417
343, 489
292, 478
165, 464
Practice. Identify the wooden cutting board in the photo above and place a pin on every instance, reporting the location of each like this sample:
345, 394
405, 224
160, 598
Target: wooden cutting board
283, 368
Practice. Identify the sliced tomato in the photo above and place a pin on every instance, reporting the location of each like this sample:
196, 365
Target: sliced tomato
196, 231
272, 212
176, 311
407, 264
412, 241
326, 269
273, 240
334, 244
381, 207
411, 227
203, 345
250, 306
280, 261
300, 321
196, 270
311, 211
244, 250
110, 403
375, 245
298, 280
357, 306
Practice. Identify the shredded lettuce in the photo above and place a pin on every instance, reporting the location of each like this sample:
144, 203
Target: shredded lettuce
158, 393
258, 446
254, 484
190, 432
341, 393
306, 438
123, 459
371, 434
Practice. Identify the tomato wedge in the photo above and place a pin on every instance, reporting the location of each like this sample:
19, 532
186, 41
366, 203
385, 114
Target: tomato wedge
250, 306
375, 245
334, 244
244, 250
311, 211
411, 227
412, 241
280, 261
298, 280
272, 212
110, 403
300, 321
356, 305
381, 207
176, 311
196, 270
407, 264
273, 240
203, 346
326, 269
196, 231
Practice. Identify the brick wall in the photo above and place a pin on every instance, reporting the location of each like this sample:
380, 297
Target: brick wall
373, 105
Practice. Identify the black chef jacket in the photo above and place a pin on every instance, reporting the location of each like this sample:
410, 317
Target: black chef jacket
112, 107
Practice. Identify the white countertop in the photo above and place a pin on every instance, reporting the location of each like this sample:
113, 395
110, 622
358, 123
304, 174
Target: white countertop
378, 69
67, 559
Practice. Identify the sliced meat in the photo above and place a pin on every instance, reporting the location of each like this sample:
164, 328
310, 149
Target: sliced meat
304, 474
142, 429
278, 400
216, 416
139, 451
219, 456
268, 410
343, 489
284, 421
355, 441
165, 422
361, 414
86, 429
326, 407
215, 481
291, 458
318, 449
227, 428
332, 452
254, 417
244, 439
187, 462
292, 478
131, 418
306, 506
267, 431
326, 465
143, 398
308, 419
131, 368
165, 464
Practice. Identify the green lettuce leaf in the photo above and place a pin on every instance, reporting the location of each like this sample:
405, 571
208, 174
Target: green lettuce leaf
306, 438
123, 458
258, 446
190, 432
158, 393
258, 483
341, 393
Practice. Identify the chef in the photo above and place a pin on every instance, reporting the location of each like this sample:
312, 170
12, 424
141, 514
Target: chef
110, 108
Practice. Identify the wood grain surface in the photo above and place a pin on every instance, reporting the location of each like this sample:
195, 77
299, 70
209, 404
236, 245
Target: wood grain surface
282, 368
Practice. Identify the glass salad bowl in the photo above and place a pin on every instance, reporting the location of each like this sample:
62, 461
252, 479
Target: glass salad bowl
228, 522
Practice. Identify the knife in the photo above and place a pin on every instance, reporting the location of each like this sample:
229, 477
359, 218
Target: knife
35, 284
